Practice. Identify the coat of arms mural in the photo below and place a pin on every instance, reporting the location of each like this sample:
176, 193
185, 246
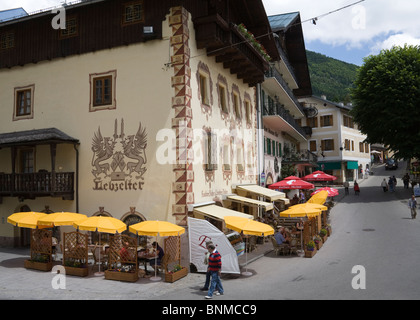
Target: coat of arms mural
119, 160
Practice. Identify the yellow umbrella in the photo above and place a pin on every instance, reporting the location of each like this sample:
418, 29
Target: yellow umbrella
250, 227
156, 228
101, 224
62, 218
300, 210
319, 197
27, 219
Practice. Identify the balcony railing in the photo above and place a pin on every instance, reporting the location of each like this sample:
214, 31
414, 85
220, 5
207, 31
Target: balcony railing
40, 184
300, 156
276, 109
273, 73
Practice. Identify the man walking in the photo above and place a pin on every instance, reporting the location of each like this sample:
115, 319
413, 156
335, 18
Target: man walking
215, 269
412, 204
346, 185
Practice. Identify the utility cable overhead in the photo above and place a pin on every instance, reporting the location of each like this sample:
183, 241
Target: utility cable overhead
313, 20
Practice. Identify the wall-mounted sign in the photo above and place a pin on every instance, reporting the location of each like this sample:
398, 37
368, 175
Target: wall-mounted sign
119, 160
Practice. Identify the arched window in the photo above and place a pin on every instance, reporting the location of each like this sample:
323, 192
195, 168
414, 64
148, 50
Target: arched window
131, 218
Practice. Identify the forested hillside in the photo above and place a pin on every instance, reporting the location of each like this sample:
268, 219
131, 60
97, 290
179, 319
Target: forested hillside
331, 77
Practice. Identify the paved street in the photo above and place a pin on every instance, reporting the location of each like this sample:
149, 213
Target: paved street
373, 230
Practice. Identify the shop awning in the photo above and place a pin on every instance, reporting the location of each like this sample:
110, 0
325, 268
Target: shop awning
270, 195
352, 165
220, 213
329, 166
251, 202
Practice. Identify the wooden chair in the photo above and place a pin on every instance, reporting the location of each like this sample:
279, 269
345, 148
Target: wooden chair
99, 257
163, 266
293, 246
279, 247
252, 243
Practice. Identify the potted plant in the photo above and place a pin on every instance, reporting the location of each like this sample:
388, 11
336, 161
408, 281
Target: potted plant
40, 262
323, 234
176, 273
76, 268
310, 249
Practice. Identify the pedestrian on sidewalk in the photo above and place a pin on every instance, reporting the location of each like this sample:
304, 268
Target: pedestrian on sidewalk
391, 184
384, 185
206, 261
356, 188
346, 185
406, 180
412, 204
215, 268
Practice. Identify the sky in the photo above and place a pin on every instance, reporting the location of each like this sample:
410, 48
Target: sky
349, 34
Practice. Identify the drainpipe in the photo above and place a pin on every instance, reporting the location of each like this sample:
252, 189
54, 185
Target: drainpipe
260, 135
77, 177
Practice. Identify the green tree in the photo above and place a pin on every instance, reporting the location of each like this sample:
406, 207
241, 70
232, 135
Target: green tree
386, 100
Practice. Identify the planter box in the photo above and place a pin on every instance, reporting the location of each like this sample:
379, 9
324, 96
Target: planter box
310, 254
80, 272
121, 276
42, 266
329, 230
324, 238
318, 245
172, 277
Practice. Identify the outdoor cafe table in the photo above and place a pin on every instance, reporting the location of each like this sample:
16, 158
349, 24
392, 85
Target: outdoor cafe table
145, 258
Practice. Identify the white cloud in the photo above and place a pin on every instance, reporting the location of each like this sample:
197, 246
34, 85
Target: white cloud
395, 40
357, 26
30, 5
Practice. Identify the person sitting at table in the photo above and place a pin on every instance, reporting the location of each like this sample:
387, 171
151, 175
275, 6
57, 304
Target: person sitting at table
125, 254
280, 239
158, 253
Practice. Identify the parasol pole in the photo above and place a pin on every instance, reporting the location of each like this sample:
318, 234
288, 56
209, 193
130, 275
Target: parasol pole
99, 273
156, 278
246, 272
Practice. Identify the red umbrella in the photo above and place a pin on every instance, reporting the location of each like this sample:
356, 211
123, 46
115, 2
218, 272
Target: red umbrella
319, 176
291, 182
331, 191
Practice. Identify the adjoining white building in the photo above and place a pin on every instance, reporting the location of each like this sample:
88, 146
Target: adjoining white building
341, 148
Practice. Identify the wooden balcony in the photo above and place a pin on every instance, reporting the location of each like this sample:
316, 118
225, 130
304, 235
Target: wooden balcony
230, 47
40, 184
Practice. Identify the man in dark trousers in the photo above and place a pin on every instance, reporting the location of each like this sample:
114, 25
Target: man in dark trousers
215, 270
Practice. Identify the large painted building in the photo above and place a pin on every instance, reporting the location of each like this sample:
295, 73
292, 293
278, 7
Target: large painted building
136, 109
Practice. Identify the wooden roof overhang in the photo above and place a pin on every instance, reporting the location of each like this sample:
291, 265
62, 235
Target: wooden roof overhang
35, 137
